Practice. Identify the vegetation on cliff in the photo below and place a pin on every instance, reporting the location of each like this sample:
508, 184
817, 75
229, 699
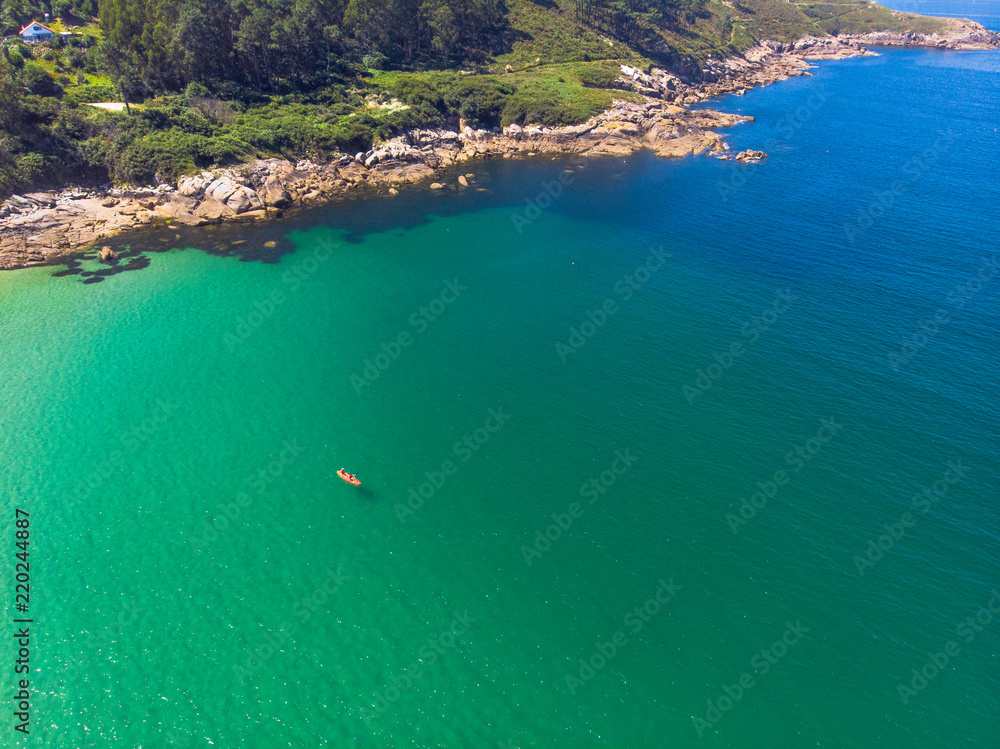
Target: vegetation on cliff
211, 82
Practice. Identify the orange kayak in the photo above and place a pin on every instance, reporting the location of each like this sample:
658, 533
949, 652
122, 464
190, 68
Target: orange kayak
350, 478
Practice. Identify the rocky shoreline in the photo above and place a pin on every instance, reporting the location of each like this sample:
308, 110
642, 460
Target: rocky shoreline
959, 35
37, 227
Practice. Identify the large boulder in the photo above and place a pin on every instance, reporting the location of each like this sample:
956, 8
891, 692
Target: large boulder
274, 193
180, 209
243, 199
212, 211
194, 186
221, 189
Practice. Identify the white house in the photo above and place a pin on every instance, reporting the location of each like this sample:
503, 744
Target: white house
36, 32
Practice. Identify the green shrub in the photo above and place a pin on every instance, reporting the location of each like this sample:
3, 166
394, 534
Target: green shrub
16, 57
92, 93
597, 75
353, 134
541, 103
38, 81
375, 61
196, 89
225, 149
480, 100
169, 153
30, 168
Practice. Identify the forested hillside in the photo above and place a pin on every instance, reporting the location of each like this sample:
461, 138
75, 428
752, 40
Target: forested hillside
211, 82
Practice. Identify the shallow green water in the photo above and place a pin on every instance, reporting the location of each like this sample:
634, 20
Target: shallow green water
216, 583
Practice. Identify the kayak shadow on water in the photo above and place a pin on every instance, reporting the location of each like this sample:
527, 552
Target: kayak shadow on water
366, 493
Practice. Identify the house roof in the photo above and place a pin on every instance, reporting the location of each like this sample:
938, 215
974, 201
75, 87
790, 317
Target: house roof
39, 23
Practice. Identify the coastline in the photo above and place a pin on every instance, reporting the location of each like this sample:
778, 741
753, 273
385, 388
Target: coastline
37, 228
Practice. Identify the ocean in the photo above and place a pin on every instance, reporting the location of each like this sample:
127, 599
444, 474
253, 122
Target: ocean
653, 453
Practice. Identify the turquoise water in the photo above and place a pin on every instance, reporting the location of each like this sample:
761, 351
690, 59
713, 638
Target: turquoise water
216, 584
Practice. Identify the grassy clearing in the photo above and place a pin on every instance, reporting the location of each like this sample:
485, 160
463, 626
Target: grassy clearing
784, 21
561, 94
860, 17
566, 94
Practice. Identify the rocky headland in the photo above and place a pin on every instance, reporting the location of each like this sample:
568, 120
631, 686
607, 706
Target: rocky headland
958, 34
36, 227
